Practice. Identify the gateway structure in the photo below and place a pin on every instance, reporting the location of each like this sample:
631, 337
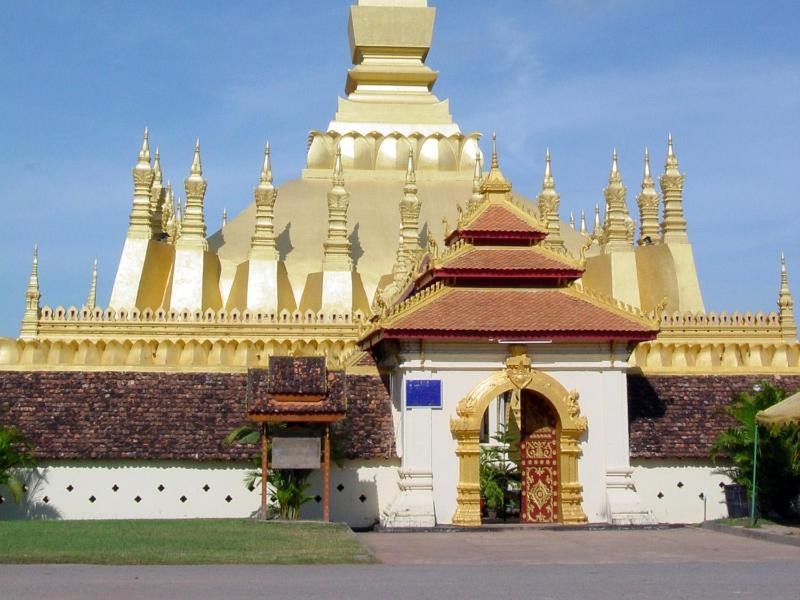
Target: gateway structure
489, 311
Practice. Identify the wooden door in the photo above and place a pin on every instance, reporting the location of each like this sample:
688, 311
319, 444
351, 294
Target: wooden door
539, 462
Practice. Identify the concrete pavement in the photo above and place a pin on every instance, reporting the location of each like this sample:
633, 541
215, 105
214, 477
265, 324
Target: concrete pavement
555, 565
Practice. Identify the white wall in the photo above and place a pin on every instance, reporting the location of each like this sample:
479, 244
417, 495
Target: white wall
681, 503
376, 481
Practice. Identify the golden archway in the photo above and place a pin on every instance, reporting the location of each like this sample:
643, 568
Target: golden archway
518, 375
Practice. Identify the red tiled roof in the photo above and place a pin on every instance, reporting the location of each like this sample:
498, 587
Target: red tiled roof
498, 221
509, 258
480, 313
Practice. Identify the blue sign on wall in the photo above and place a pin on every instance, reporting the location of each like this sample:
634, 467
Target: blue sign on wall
423, 393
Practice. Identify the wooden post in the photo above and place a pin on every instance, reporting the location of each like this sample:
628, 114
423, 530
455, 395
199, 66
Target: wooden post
326, 476
264, 471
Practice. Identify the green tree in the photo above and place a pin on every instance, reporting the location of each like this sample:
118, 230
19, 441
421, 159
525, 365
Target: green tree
15, 454
289, 486
778, 483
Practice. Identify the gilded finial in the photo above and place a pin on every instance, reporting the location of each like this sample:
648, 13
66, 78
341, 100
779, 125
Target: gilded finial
671, 163
615, 176
338, 172
495, 162
477, 173
584, 229
157, 167
548, 182
197, 167
571, 221
92, 298
224, 217
266, 170
647, 164
144, 153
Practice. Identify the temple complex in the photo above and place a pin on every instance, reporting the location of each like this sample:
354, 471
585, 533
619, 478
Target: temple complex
447, 308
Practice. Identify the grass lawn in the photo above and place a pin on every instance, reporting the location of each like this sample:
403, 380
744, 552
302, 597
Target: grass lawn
179, 541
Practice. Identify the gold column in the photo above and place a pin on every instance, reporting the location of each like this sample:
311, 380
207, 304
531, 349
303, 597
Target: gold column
571, 491
468, 490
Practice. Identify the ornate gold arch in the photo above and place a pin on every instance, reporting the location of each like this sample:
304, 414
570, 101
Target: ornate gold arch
517, 376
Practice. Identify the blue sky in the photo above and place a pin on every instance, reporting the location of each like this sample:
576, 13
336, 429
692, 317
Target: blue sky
81, 80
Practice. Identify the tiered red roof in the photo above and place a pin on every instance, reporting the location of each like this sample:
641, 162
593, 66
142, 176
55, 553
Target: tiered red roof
497, 282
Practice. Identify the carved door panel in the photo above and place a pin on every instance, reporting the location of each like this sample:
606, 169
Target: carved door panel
539, 462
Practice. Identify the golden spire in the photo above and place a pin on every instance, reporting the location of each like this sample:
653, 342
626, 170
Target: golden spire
548, 202
92, 298
597, 233
158, 195
408, 247
584, 229
30, 319
337, 245
673, 228
193, 226
224, 217
618, 227
178, 221
142, 172
786, 306
495, 184
647, 200
571, 221
477, 177
262, 244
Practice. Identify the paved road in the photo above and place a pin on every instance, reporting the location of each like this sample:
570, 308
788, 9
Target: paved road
674, 564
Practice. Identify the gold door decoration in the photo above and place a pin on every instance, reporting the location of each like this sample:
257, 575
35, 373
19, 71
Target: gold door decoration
539, 462
517, 377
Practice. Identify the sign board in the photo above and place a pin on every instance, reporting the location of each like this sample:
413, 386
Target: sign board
423, 393
295, 453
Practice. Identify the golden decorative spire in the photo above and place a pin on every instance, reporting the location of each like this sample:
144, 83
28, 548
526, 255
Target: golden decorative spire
224, 217
337, 245
618, 227
408, 248
178, 221
584, 229
158, 195
673, 227
91, 301
647, 200
786, 306
142, 172
495, 185
193, 226
30, 319
477, 177
597, 233
548, 202
262, 244
571, 221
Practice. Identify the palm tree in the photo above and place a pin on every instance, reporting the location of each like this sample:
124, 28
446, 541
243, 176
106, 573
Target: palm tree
778, 447
15, 453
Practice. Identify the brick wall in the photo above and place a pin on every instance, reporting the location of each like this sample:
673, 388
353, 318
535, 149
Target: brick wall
162, 416
680, 416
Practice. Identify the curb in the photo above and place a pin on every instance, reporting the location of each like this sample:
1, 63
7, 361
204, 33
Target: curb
755, 534
499, 528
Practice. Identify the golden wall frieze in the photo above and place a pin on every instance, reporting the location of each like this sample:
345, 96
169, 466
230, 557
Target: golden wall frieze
741, 326
147, 354
715, 356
